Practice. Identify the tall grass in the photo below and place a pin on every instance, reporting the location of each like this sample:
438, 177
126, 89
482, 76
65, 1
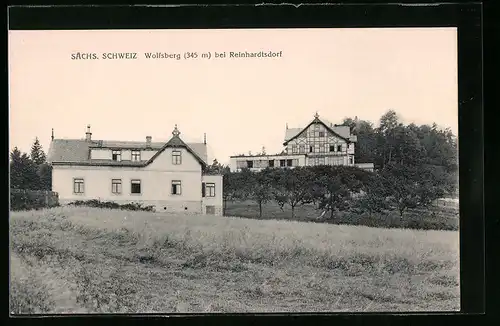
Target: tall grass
233, 245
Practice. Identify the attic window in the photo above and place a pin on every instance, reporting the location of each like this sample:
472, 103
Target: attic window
322, 134
116, 155
136, 155
176, 157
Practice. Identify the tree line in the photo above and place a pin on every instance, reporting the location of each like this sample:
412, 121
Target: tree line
414, 166
30, 171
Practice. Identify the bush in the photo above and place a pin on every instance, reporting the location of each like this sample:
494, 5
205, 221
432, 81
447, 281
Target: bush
112, 205
32, 199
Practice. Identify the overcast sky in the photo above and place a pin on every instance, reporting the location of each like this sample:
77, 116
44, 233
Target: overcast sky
241, 104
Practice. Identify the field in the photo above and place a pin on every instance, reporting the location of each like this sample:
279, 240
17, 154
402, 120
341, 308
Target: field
433, 218
81, 260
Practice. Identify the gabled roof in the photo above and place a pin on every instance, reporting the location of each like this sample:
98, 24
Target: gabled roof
77, 151
342, 132
176, 142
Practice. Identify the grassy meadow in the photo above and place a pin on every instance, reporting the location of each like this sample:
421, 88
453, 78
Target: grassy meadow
432, 218
91, 260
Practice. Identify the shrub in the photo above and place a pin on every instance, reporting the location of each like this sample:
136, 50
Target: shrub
112, 205
32, 199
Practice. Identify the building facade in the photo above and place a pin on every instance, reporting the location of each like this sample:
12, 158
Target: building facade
319, 143
169, 176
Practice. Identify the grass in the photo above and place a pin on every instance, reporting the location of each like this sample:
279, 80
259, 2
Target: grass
77, 259
435, 218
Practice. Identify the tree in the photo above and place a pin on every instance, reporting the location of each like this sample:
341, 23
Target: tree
259, 186
333, 186
45, 176
16, 168
23, 171
37, 155
411, 187
293, 187
374, 198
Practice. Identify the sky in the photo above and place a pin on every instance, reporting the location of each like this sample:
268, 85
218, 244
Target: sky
242, 104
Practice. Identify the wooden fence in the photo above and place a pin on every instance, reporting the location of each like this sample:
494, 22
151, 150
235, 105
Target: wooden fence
21, 199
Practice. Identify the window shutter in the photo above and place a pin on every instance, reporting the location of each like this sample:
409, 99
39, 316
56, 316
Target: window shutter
203, 189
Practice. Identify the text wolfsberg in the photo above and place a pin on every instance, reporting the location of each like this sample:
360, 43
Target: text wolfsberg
175, 56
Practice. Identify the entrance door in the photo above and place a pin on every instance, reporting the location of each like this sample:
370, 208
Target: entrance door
210, 210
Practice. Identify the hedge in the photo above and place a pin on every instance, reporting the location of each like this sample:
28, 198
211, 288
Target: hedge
112, 205
21, 199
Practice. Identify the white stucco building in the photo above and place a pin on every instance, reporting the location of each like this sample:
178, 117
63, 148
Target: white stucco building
170, 176
318, 143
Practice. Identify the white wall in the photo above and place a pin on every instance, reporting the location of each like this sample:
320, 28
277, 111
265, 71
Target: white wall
147, 154
217, 200
234, 167
155, 179
100, 154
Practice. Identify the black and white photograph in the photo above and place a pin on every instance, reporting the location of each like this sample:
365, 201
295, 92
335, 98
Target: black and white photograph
234, 170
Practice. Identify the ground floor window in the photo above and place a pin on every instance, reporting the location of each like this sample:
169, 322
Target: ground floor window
78, 186
116, 186
210, 210
210, 189
135, 186
176, 187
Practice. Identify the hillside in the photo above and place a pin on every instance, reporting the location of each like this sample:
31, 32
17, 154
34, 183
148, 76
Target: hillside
68, 260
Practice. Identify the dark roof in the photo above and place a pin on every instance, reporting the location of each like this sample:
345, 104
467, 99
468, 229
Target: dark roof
77, 151
295, 132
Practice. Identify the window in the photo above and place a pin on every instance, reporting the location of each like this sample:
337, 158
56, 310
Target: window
322, 134
339, 148
302, 149
332, 148
210, 189
310, 149
288, 162
176, 187
351, 159
203, 189
136, 155
321, 148
176, 157
241, 164
135, 186
116, 186
116, 155
249, 164
282, 163
294, 149
321, 161
78, 186
271, 163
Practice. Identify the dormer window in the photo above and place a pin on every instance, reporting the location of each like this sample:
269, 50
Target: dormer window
136, 156
116, 155
176, 157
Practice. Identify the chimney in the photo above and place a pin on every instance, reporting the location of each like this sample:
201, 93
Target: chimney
148, 141
205, 138
52, 137
287, 125
88, 134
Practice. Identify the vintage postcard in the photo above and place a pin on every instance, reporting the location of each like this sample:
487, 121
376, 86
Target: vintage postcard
234, 170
